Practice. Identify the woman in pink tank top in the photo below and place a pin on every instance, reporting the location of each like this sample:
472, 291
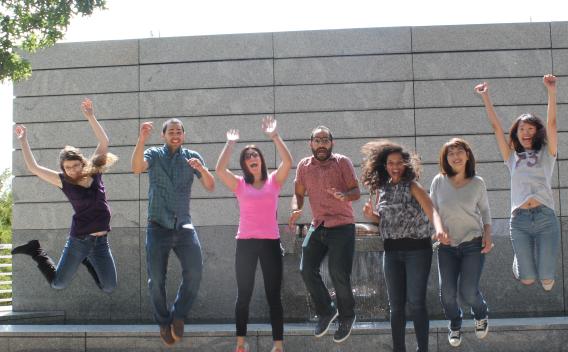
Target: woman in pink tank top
258, 237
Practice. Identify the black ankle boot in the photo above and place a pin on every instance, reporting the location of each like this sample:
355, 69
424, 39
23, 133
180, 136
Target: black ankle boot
31, 248
92, 271
45, 265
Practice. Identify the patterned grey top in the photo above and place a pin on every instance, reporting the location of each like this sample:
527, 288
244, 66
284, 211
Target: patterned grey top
401, 215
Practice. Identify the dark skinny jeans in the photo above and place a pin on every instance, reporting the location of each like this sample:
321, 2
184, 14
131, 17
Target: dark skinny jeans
406, 274
249, 252
338, 243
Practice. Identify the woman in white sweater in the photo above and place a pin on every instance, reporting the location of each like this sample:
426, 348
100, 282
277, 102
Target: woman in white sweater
461, 200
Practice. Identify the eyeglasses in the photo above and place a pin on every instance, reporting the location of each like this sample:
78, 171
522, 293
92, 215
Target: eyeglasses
321, 140
252, 154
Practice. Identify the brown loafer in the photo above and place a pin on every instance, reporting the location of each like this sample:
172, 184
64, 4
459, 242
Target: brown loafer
166, 335
177, 329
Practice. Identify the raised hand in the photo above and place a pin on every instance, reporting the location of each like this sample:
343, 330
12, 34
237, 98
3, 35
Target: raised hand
482, 88
146, 130
269, 126
233, 135
87, 108
21, 132
549, 82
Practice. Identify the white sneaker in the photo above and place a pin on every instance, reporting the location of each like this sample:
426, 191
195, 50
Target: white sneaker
454, 337
547, 287
481, 327
515, 268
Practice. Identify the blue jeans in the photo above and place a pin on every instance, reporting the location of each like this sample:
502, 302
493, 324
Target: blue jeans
535, 235
185, 244
406, 276
459, 273
97, 250
339, 244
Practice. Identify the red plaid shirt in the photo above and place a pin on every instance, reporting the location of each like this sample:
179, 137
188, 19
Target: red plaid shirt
318, 176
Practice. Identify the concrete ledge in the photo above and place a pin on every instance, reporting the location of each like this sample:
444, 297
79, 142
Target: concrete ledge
523, 334
10, 317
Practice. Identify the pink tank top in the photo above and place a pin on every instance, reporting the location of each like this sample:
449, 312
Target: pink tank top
258, 207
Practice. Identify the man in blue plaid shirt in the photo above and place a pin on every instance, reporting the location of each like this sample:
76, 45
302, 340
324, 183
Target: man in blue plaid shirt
171, 170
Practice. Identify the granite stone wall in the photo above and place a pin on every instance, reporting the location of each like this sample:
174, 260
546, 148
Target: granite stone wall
410, 84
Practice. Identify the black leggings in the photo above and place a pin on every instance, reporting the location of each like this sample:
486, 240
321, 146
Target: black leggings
270, 255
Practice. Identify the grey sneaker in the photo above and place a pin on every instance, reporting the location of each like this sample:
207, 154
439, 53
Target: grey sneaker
454, 337
481, 327
344, 330
324, 323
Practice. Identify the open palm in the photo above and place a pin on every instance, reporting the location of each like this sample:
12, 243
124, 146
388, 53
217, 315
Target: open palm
269, 126
233, 135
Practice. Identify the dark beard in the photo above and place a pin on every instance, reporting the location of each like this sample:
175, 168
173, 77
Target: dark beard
327, 155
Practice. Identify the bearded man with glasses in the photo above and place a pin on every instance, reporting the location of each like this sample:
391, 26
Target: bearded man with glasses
331, 184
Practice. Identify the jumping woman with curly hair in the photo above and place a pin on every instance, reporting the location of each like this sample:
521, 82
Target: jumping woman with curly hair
404, 213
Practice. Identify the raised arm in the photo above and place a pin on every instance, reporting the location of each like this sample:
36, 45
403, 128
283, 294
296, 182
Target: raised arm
100, 134
483, 90
269, 128
551, 128
137, 162
222, 168
428, 207
44, 173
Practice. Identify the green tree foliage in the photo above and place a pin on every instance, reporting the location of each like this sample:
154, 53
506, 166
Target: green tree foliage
6, 201
34, 24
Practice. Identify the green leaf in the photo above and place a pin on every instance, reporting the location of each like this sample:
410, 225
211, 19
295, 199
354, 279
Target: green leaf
34, 24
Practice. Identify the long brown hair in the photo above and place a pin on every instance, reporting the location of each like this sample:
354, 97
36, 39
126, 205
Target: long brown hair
249, 177
98, 163
446, 169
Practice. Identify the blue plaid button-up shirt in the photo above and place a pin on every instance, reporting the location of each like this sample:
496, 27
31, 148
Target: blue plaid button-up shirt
169, 192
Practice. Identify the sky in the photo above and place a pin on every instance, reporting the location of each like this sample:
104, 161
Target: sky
130, 19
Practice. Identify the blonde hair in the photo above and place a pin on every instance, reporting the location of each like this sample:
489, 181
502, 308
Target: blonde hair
97, 164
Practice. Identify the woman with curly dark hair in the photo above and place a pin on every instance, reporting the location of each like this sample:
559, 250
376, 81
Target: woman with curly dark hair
530, 154
404, 213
